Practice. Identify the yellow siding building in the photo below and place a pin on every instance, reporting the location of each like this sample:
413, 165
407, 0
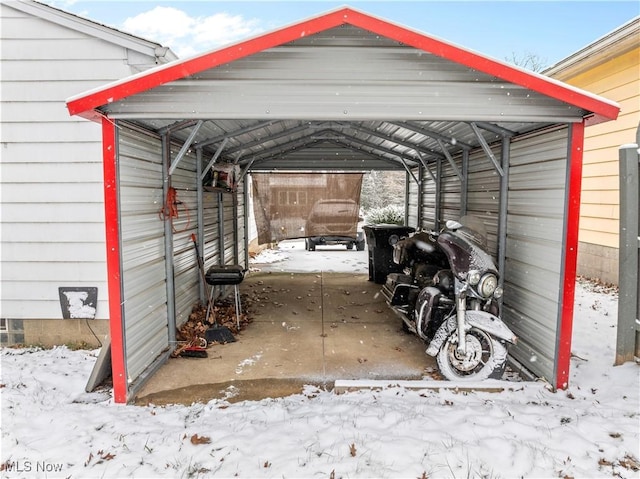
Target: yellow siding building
609, 67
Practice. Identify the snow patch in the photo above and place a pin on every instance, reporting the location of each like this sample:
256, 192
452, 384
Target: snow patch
588, 430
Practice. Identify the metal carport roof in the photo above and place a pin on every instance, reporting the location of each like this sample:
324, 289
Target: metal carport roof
381, 95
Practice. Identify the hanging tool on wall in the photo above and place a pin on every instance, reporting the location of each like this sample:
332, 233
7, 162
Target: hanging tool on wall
170, 210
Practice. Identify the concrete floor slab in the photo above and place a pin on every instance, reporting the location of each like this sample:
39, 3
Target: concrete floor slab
307, 328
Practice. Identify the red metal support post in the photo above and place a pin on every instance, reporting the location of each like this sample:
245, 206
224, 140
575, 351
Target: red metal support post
565, 329
109, 159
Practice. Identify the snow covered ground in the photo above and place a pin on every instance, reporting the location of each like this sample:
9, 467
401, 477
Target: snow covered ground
51, 428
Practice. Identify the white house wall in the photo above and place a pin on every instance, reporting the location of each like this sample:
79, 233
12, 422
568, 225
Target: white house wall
51, 168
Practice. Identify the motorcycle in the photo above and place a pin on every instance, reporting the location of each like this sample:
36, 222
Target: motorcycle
448, 294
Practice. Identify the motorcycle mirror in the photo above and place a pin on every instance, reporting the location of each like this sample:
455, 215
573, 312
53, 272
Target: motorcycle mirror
453, 225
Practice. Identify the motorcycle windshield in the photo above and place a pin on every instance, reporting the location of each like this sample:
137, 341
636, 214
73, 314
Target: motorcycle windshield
465, 249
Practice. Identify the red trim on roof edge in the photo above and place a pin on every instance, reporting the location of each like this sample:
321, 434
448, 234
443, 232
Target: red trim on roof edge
118, 369
181, 69
563, 353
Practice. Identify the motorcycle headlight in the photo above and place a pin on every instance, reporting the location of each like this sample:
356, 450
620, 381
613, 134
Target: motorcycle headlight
487, 285
473, 277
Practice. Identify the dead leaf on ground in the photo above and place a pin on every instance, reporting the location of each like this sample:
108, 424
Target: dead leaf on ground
195, 439
630, 462
352, 450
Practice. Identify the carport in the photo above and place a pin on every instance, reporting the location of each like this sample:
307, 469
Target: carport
343, 91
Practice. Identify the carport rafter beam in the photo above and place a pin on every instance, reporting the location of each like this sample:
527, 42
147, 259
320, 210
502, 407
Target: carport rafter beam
300, 144
333, 137
431, 134
450, 159
425, 165
381, 148
177, 126
370, 154
246, 170
498, 130
285, 132
406, 167
185, 147
406, 144
214, 158
241, 131
486, 148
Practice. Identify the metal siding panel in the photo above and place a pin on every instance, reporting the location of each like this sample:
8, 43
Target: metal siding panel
185, 272
534, 230
240, 224
412, 205
143, 259
450, 192
377, 78
211, 244
428, 200
483, 193
230, 224
535, 247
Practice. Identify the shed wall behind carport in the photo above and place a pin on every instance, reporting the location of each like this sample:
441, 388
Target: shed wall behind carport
535, 234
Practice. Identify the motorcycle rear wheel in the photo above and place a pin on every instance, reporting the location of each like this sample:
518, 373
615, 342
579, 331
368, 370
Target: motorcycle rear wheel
485, 358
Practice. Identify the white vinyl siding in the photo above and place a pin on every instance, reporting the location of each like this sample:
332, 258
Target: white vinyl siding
52, 209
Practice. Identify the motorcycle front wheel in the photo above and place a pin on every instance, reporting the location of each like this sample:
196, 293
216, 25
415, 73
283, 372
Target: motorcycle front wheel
484, 358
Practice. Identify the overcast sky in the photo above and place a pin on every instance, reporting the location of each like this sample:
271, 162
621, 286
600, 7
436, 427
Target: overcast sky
550, 30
